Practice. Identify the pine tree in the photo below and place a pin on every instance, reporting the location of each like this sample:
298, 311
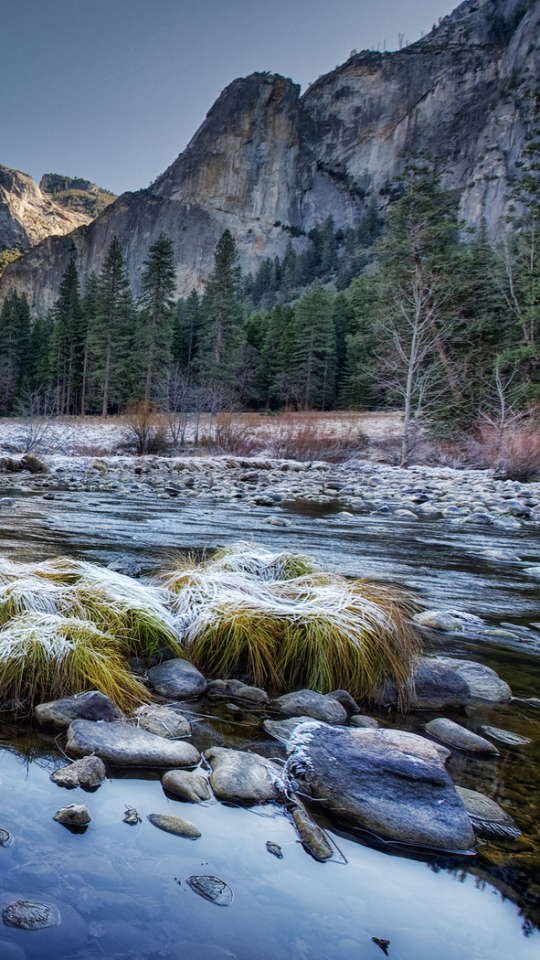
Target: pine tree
90, 305
67, 342
111, 331
314, 354
186, 330
156, 312
14, 342
222, 316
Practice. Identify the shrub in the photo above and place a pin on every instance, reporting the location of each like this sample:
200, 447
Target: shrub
226, 436
310, 439
146, 430
511, 454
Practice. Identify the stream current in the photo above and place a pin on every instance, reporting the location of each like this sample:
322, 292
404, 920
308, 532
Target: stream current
121, 890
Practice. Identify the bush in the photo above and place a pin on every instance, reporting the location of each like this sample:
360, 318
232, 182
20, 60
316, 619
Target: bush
310, 439
226, 436
146, 429
511, 454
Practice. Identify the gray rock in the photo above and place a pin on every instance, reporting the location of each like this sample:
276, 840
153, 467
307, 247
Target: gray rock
360, 720
30, 915
274, 849
76, 815
457, 736
282, 729
309, 703
389, 781
482, 681
185, 784
127, 746
91, 705
242, 776
126, 566
487, 817
176, 825
346, 701
239, 690
177, 679
310, 833
448, 620
132, 816
435, 685
88, 772
162, 721
512, 739
211, 888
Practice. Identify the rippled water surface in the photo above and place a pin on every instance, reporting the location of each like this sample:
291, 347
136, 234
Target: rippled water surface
121, 890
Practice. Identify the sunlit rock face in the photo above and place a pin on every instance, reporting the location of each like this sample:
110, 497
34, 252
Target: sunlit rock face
28, 215
269, 164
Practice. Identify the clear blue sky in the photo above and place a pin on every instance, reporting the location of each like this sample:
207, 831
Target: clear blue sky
113, 90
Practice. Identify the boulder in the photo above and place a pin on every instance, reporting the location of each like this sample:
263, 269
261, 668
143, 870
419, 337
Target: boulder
360, 720
487, 817
435, 685
76, 815
176, 825
127, 746
457, 736
91, 705
391, 782
238, 690
162, 721
88, 772
187, 785
245, 777
283, 729
309, 703
177, 679
346, 701
482, 681
505, 736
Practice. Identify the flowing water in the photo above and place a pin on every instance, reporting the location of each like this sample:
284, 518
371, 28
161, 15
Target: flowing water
121, 890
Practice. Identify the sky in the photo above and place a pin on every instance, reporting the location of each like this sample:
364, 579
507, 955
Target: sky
113, 90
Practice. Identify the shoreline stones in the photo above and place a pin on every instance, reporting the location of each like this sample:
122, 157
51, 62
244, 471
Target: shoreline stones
162, 721
187, 785
91, 705
487, 817
309, 703
457, 736
441, 682
177, 679
88, 772
75, 815
176, 825
235, 689
244, 777
390, 782
126, 746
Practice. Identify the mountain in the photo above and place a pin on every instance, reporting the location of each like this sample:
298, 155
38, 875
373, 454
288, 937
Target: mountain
270, 164
76, 194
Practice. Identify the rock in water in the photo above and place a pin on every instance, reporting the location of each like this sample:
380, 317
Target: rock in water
274, 849
310, 833
91, 705
482, 681
237, 689
457, 736
435, 686
163, 721
30, 915
388, 781
5, 838
345, 700
189, 786
132, 817
76, 815
512, 739
487, 817
309, 703
127, 746
245, 777
176, 825
360, 720
177, 679
213, 889
88, 772
282, 729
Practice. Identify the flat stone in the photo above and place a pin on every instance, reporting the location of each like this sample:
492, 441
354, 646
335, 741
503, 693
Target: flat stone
162, 721
487, 817
483, 682
310, 833
91, 705
237, 689
309, 703
177, 679
360, 720
176, 825
391, 782
457, 736
88, 772
185, 784
512, 739
127, 746
75, 815
245, 777
212, 889
346, 701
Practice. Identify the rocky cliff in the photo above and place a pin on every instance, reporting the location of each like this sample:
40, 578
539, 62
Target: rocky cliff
267, 163
27, 215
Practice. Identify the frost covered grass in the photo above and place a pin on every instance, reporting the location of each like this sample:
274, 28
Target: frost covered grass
286, 624
44, 655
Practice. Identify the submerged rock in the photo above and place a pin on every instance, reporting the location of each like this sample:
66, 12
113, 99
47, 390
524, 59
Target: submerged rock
162, 721
483, 682
512, 739
30, 915
274, 849
213, 889
176, 825
391, 782
487, 817
177, 679
185, 784
310, 833
282, 729
360, 720
245, 777
309, 703
91, 705
127, 746
76, 815
457, 736
88, 772
132, 817
237, 689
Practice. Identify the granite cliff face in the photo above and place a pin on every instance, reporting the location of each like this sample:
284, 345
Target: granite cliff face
267, 160
27, 215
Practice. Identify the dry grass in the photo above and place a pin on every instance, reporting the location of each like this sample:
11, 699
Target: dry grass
250, 611
511, 454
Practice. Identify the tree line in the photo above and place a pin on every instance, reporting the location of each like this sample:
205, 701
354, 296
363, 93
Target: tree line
416, 311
